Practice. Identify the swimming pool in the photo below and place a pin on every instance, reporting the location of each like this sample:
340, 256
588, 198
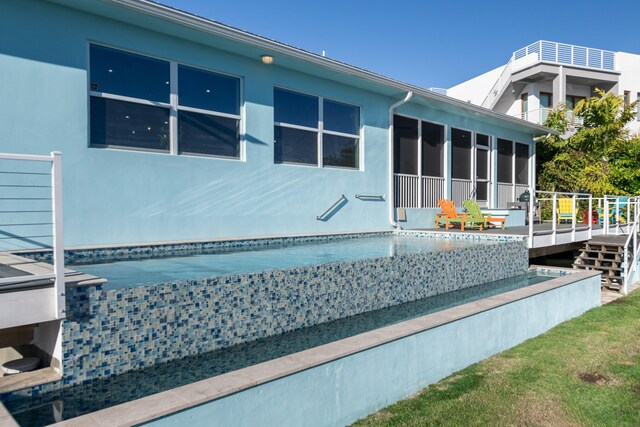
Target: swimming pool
145, 320
75, 401
222, 261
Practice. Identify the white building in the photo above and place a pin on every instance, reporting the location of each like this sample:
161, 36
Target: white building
544, 73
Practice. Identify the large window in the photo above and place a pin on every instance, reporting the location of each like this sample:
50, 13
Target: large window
460, 154
132, 105
405, 145
432, 149
522, 164
315, 131
505, 161
546, 100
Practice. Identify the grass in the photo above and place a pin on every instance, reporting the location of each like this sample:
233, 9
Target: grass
584, 372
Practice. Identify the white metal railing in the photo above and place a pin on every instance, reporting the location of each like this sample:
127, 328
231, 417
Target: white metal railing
17, 212
561, 53
406, 190
558, 235
539, 116
412, 191
498, 87
631, 256
432, 191
505, 194
461, 190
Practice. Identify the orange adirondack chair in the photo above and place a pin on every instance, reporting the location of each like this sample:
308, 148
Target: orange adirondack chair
449, 214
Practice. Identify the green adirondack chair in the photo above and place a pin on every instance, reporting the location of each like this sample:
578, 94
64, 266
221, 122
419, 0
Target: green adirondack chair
476, 215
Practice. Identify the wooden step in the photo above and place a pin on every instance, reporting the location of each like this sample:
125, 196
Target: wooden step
602, 268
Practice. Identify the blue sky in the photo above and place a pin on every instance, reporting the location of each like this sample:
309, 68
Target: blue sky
425, 42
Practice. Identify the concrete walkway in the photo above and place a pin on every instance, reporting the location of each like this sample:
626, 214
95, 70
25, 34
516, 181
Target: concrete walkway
609, 295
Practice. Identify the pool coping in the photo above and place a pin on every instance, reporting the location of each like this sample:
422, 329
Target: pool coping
174, 400
72, 278
168, 243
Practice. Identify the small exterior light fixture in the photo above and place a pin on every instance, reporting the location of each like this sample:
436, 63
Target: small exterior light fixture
267, 59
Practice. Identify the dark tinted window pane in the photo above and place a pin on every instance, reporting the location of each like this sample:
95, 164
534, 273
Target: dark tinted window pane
482, 191
405, 145
126, 124
505, 159
295, 146
482, 164
482, 140
295, 108
460, 154
122, 73
205, 134
339, 151
208, 91
522, 164
432, 149
340, 117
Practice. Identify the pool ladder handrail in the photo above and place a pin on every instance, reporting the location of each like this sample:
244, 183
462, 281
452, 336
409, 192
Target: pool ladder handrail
332, 207
371, 196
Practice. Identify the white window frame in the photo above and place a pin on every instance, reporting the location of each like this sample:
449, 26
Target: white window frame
320, 131
173, 106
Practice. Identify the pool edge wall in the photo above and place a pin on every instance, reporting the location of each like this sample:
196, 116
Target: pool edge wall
110, 332
344, 390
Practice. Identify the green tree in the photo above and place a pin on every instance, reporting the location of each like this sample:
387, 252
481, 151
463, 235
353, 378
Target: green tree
601, 157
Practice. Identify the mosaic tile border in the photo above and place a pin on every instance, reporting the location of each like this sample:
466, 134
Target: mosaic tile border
79, 256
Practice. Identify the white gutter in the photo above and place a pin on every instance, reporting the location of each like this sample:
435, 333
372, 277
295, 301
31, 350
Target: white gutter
392, 196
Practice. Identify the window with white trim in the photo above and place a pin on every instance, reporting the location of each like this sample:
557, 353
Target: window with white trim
143, 103
311, 130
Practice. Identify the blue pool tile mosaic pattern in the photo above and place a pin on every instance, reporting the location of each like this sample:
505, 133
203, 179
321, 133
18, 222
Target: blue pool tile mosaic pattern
94, 395
113, 331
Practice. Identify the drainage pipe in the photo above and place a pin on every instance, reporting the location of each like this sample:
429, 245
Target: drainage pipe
392, 197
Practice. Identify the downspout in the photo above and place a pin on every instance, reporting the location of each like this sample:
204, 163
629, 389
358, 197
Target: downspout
392, 198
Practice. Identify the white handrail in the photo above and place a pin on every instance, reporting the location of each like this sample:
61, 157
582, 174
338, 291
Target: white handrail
55, 158
631, 266
332, 208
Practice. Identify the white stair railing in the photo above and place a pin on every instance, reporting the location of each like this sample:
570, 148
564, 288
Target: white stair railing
13, 213
631, 257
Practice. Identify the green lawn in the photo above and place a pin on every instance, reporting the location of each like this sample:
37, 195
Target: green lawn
584, 372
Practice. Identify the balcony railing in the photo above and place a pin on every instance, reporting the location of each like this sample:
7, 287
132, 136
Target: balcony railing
568, 54
540, 115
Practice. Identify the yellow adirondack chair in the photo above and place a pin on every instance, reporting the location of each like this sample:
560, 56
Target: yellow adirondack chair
565, 210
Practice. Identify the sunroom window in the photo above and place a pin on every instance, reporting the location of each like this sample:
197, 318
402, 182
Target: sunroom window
132, 105
310, 130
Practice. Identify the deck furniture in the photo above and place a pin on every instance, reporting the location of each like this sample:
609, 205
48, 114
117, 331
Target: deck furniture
618, 211
475, 213
565, 210
449, 214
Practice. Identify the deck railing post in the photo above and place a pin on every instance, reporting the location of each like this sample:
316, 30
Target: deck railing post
590, 215
606, 215
532, 206
573, 218
554, 218
616, 217
58, 234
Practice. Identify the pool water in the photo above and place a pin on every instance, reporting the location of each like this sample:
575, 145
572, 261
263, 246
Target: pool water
128, 273
98, 394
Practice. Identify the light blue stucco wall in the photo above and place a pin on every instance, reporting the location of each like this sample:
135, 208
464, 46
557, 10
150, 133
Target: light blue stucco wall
114, 196
350, 388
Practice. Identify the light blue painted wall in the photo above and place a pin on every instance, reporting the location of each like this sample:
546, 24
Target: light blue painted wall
348, 389
113, 196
